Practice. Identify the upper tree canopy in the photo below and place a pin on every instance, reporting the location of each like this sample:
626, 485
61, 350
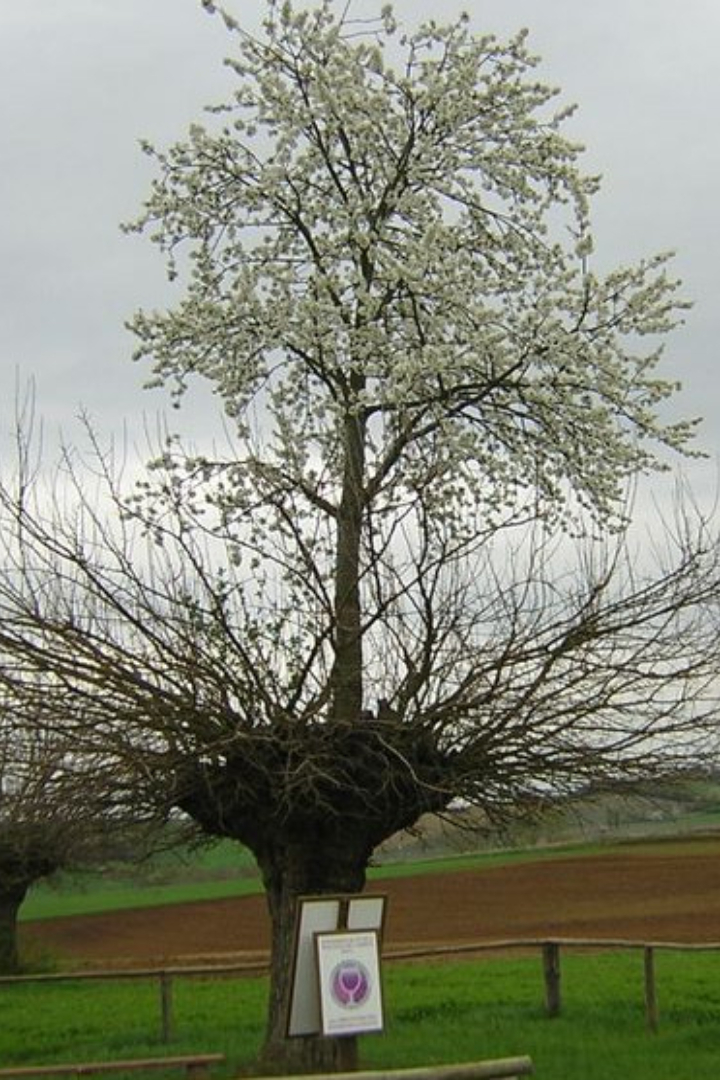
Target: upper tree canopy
394, 229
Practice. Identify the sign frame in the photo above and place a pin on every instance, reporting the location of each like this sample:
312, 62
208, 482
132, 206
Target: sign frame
318, 915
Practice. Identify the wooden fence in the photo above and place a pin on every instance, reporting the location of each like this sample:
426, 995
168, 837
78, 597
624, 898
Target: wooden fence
550, 953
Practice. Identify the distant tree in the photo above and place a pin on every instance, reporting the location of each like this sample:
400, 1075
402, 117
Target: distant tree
57, 812
45, 825
391, 591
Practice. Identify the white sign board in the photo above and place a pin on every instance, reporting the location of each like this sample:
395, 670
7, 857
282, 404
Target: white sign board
321, 915
349, 977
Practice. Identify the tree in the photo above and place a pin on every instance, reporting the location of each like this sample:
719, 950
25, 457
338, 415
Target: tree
57, 810
29, 847
45, 823
392, 591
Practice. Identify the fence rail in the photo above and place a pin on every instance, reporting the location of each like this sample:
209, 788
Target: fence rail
550, 953
551, 962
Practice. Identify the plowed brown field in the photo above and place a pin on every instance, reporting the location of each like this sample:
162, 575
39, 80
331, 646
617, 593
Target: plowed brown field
658, 892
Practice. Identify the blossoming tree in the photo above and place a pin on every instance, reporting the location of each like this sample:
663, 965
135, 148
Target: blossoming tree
360, 612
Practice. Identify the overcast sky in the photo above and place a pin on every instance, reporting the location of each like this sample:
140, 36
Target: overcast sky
84, 80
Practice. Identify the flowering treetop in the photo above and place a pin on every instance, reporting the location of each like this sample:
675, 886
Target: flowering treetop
392, 231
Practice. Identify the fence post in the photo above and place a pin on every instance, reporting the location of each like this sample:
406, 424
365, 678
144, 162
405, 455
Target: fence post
166, 1006
651, 1006
551, 971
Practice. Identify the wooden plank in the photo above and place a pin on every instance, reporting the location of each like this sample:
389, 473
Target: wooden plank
651, 1005
256, 967
166, 1006
190, 1062
500, 1069
552, 975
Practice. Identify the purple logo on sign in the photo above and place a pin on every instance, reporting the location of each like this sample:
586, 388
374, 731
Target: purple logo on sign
350, 983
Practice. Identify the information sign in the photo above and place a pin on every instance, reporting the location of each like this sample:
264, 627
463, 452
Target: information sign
320, 915
349, 979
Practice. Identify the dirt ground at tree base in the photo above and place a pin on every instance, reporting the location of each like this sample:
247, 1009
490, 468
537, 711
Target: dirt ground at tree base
658, 892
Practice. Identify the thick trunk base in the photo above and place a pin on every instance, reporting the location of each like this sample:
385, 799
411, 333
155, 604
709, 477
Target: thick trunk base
309, 1054
10, 902
290, 871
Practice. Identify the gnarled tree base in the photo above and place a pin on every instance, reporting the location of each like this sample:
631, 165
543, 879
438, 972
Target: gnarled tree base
352, 787
10, 901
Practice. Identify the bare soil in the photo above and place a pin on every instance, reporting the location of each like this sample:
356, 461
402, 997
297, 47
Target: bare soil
659, 892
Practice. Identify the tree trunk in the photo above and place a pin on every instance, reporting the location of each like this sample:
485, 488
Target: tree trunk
347, 674
306, 866
10, 901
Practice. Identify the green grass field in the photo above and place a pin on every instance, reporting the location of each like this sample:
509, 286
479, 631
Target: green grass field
441, 1013
211, 873
434, 1014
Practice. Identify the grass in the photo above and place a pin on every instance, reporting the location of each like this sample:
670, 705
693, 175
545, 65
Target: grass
45, 903
434, 1014
212, 873
86, 1021
494, 1009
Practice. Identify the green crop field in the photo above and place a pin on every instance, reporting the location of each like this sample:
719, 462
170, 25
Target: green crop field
209, 873
434, 1014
